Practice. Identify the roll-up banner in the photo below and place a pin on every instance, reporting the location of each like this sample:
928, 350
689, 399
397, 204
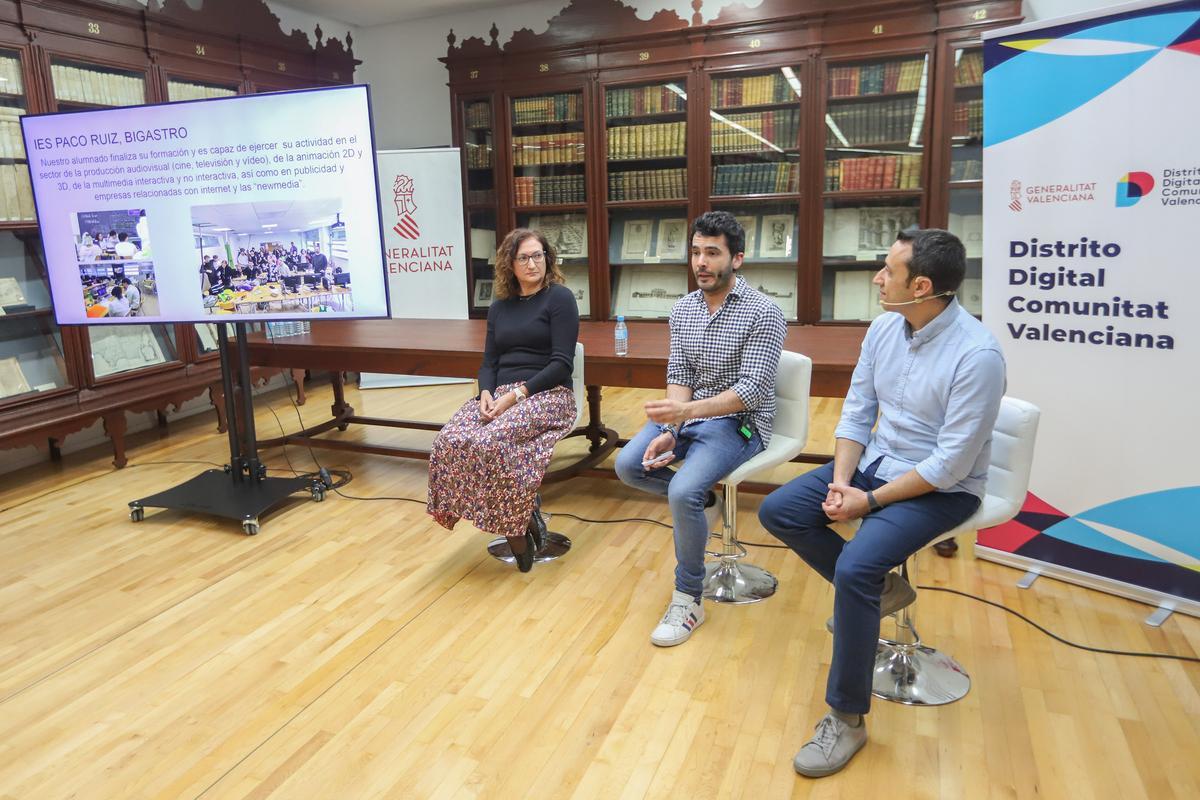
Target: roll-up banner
421, 199
1091, 199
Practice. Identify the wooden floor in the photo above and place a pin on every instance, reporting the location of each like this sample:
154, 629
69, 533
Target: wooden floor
354, 649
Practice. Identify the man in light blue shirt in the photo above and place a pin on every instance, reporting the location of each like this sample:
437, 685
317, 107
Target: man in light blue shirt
932, 377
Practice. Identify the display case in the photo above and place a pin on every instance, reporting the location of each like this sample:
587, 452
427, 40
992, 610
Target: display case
646, 185
59, 55
876, 133
549, 178
826, 130
478, 136
965, 185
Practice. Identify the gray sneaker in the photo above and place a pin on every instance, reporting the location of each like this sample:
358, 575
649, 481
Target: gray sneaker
897, 594
831, 748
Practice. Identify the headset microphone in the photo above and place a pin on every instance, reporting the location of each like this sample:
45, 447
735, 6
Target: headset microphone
916, 301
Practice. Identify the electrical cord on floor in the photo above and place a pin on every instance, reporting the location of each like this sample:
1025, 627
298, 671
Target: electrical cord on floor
1019, 615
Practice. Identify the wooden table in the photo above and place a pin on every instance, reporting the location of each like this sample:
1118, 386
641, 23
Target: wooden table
453, 348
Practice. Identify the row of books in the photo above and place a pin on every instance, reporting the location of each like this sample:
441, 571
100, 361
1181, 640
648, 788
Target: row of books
872, 123
81, 85
479, 115
969, 71
548, 190
859, 81
553, 108
750, 133
642, 100
968, 118
11, 143
756, 90
481, 196
648, 184
873, 172
10, 76
778, 178
659, 140
179, 90
549, 148
478, 155
16, 193
967, 169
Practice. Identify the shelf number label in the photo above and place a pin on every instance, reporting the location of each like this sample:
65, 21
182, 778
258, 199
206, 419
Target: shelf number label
644, 55
473, 74
878, 29
200, 50
979, 14
755, 44
94, 28
543, 67
281, 66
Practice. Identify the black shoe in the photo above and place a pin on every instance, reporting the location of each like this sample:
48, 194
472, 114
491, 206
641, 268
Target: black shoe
537, 527
946, 549
525, 559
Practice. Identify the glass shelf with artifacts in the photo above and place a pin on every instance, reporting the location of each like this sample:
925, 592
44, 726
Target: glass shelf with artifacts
548, 151
479, 153
16, 193
31, 348
648, 258
857, 236
755, 134
875, 126
179, 88
772, 250
567, 233
646, 142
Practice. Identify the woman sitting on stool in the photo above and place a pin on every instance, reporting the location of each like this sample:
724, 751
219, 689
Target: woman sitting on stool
489, 460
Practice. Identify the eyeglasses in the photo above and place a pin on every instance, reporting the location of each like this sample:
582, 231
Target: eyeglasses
536, 258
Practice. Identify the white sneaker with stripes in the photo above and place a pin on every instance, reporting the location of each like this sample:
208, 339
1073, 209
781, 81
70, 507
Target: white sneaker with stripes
683, 616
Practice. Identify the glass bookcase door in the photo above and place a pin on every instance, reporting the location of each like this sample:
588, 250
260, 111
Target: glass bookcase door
648, 258
772, 250
857, 236
16, 193
479, 152
188, 89
646, 140
567, 233
875, 147
966, 170
115, 349
31, 349
483, 256
755, 133
548, 150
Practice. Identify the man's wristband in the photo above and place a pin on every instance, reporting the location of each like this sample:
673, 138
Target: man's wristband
872, 504
671, 429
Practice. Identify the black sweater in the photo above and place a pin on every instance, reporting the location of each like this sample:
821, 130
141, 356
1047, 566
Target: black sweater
531, 339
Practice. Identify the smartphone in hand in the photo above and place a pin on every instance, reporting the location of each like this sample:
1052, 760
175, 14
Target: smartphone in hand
656, 462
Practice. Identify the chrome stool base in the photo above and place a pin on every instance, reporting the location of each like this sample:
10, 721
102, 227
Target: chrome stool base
916, 675
728, 581
556, 545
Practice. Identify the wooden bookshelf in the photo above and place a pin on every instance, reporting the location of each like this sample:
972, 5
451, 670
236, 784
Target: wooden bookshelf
721, 107
63, 55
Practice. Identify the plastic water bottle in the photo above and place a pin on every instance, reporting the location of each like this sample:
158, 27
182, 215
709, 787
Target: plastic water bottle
621, 336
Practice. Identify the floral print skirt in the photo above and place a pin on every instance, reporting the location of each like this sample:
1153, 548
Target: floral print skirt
490, 474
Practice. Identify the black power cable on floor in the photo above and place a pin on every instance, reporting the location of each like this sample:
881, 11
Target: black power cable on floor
763, 545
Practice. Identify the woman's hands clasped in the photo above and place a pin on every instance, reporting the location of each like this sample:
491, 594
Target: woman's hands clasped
490, 408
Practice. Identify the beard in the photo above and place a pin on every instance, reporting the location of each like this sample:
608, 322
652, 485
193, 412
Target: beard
720, 278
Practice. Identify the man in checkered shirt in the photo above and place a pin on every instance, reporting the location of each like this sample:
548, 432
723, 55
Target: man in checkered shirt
725, 344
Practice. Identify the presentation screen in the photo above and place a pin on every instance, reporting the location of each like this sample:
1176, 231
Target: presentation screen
248, 208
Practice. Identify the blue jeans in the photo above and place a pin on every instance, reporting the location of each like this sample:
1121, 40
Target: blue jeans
856, 568
712, 449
